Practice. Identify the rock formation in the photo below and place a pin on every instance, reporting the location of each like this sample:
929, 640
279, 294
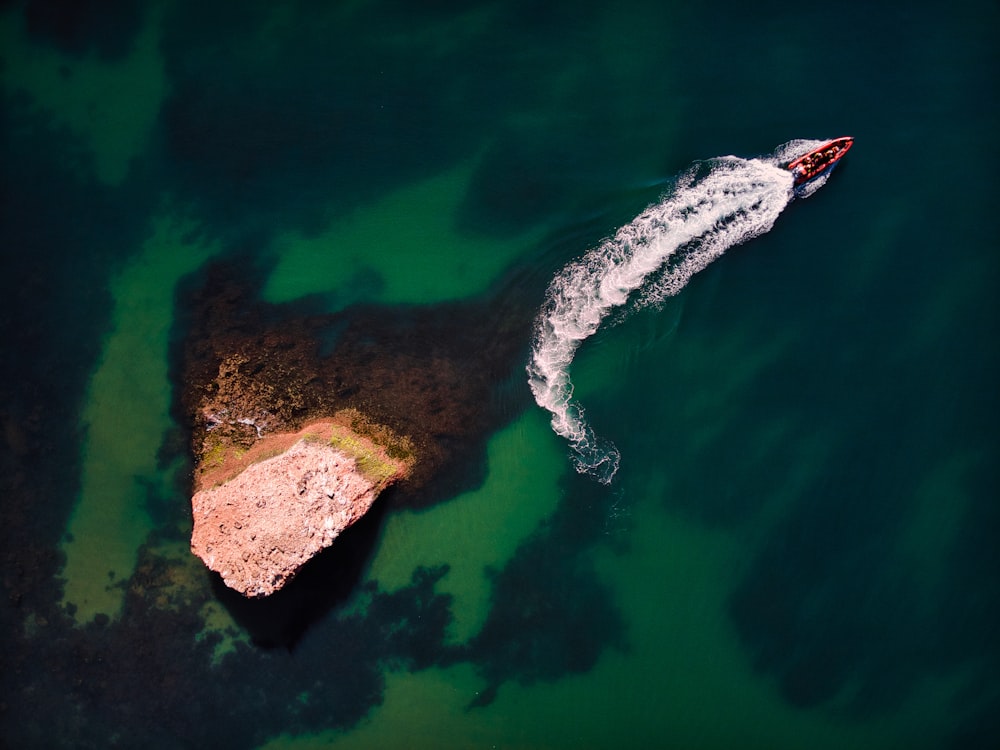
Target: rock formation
254, 375
446, 375
260, 514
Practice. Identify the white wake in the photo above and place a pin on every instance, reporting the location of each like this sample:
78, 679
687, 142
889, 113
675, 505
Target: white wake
715, 205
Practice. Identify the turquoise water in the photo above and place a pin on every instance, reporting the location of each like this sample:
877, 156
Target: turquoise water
797, 546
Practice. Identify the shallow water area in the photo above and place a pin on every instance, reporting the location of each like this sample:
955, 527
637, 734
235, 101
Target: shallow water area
113, 106
126, 417
479, 529
405, 249
682, 603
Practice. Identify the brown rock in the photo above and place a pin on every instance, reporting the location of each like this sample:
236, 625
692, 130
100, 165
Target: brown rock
437, 373
262, 514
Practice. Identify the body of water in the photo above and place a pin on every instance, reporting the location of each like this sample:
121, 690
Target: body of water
733, 478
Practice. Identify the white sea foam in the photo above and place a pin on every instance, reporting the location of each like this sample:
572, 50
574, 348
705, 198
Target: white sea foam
715, 205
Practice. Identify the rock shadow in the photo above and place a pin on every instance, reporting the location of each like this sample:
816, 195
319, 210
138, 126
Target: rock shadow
323, 584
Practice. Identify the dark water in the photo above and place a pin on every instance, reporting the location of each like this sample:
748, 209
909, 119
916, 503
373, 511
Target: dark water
799, 548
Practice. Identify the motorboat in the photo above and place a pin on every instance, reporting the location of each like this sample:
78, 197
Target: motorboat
820, 161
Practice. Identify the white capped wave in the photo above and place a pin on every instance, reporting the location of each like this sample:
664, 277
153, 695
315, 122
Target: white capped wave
715, 205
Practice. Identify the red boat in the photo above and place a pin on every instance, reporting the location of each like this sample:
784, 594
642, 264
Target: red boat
820, 160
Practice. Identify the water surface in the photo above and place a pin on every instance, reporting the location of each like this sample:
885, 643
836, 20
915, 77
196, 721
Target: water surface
798, 547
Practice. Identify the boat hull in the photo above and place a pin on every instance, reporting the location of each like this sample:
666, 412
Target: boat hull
819, 162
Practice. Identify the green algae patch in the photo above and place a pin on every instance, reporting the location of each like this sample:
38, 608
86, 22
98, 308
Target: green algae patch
379, 453
113, 107
405, 248
214, 456
368, 461
126, 413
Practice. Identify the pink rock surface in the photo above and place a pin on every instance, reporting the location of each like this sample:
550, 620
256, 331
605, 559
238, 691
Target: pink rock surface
257, 529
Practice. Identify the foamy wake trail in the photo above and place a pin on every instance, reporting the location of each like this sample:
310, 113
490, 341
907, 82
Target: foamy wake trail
714, 206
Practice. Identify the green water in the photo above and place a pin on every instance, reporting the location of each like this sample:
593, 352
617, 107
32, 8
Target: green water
680, 647
799, 547
112, 106
478, 529
373, 255
125, 417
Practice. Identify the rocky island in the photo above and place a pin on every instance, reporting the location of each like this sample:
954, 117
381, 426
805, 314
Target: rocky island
285, 404
262, 513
